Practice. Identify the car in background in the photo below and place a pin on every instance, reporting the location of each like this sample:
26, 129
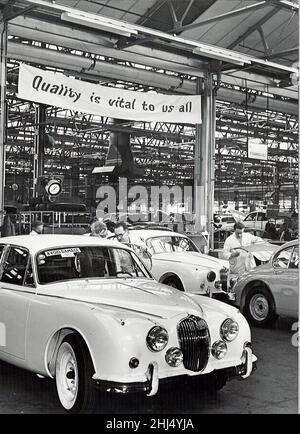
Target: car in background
256, 220
86, 313
127, 217
177, 262
259, 220
224, 222
270, 289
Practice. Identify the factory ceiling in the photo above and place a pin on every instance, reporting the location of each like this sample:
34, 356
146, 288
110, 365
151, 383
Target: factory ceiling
163, 45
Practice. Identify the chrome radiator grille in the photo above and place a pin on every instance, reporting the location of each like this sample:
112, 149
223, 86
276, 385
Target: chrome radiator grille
194, 342
223, 278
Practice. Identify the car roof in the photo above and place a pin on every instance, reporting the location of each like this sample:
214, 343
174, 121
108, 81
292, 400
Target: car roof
35, 243
147, 233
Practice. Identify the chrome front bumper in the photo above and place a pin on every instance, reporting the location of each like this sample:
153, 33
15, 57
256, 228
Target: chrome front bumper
150, 386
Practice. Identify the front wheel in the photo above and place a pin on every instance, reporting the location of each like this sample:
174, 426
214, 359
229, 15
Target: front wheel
73, 375
260, 307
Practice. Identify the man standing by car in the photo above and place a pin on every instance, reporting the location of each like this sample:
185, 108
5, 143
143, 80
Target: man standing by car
98, 229
122, 233
239, 260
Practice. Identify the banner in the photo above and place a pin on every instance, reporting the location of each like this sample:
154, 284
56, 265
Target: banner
69, 93
258, 151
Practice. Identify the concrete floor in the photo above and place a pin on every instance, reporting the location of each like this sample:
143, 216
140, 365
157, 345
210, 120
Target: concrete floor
272, 389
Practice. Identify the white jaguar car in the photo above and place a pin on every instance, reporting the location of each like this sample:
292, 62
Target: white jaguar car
177, 262
88, 314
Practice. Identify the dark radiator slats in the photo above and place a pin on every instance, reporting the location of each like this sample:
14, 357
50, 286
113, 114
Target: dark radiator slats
194, 342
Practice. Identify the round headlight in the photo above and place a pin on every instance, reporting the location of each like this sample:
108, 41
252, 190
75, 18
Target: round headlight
229, 330
157, 338
219, 349
174, 357
211, 276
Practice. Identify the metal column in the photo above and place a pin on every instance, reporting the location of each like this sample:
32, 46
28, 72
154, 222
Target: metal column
39, 145
3, 120
211, 162
204, 159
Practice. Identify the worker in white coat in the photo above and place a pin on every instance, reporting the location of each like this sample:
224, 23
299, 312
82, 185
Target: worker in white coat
239, 260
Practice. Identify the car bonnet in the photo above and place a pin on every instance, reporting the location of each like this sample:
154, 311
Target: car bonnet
140, 295
192, 258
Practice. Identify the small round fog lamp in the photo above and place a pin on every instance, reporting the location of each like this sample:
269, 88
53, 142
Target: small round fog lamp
219, 349
174, 357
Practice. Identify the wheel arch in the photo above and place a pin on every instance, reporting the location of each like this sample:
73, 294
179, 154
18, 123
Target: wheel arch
171, 274
54, 343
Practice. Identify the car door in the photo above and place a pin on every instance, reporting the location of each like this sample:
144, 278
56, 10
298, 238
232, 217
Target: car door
261, 220
250, 220
285, 281
16, 292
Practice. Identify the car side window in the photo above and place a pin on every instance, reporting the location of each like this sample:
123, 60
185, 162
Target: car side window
29, 279
282, 259
250, 217
15, 266
1, 250
294, 262
261, 217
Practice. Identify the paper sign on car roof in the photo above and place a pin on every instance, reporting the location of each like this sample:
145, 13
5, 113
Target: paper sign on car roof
62, 252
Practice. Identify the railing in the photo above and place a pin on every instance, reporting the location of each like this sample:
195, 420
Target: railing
54, 221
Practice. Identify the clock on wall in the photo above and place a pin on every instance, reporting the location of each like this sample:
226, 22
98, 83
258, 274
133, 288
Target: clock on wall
53, 187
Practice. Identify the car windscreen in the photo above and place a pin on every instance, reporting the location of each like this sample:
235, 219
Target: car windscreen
85, 262
169, 244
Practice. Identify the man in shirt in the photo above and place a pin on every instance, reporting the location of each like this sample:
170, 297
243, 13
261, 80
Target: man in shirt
98, 229
140, 248
122, 233
37, 228
239, 260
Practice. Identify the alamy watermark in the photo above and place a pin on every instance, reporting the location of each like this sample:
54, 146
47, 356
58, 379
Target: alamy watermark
295, 337
2, 335
137, 199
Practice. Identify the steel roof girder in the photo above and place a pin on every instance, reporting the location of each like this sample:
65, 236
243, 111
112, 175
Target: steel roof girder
124, 73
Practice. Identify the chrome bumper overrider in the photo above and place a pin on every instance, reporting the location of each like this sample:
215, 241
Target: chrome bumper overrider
249, 363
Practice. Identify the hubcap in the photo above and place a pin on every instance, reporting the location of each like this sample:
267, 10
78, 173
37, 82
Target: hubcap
259, 307
67, 376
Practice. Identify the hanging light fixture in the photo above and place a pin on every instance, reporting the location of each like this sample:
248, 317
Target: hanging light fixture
98, 23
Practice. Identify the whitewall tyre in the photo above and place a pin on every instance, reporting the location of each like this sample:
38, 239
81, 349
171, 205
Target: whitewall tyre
73, 376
